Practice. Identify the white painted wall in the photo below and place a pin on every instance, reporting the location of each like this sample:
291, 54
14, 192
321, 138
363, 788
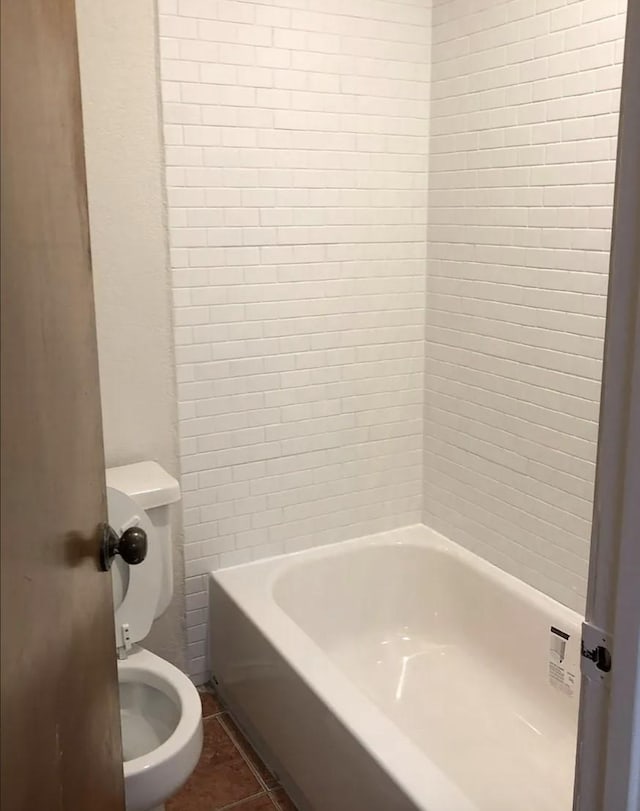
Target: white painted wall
296, 145
118, 66
524, 121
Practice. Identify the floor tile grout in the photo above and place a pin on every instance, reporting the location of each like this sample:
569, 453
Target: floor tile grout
245, 757
238, 743
240, 803
214, 715
276, 804
242, 746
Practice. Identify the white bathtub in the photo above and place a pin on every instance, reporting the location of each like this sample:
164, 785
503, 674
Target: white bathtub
397, 672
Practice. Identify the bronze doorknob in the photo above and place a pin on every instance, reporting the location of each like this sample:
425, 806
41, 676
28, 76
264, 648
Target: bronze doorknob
131, 546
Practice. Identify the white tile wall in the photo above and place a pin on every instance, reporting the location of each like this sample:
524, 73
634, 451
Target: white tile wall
296, 148
523, 120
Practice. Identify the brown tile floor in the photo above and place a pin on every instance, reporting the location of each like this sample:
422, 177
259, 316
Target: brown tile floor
229, 774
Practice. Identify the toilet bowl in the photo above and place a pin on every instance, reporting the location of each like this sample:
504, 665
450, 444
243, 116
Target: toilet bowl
161, 728
160, 710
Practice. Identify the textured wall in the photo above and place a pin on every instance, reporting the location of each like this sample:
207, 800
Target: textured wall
296, 146
118, 66
296, 149
523, 121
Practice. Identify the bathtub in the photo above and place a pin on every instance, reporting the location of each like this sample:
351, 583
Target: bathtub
400, 672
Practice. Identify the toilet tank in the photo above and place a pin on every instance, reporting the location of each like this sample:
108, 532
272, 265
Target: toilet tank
154, 490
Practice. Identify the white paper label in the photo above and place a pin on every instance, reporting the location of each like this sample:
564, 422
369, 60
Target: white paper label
559, 676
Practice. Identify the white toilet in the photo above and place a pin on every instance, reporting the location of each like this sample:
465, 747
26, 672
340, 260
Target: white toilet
159, 706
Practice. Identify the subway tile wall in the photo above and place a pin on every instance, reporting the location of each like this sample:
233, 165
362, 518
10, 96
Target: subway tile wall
523, 137
296, 139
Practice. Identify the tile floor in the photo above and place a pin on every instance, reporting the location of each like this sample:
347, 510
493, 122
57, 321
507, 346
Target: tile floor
229, 775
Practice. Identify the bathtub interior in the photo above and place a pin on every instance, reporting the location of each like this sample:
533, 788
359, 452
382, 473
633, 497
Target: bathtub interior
456, 655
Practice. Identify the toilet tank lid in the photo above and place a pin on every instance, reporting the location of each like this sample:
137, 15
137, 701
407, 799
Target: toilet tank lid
146, 482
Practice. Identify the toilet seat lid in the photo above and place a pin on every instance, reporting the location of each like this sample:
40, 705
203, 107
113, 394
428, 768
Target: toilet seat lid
136, 589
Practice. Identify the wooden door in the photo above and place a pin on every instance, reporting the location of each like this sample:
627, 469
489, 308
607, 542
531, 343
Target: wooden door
60, 719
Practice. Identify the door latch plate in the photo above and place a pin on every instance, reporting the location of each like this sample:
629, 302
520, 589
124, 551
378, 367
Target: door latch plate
595, 659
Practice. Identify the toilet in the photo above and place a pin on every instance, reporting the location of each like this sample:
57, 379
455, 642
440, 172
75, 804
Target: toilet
160, 708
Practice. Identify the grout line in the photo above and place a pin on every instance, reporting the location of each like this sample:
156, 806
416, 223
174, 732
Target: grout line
237, 743
224, 711
264, 790
207, 691
215, 714
275, 802
240, 803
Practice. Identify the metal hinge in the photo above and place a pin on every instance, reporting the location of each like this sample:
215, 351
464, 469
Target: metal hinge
595, 660
125, 641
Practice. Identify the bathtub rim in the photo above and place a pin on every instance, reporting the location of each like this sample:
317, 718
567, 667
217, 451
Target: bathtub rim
413, 535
